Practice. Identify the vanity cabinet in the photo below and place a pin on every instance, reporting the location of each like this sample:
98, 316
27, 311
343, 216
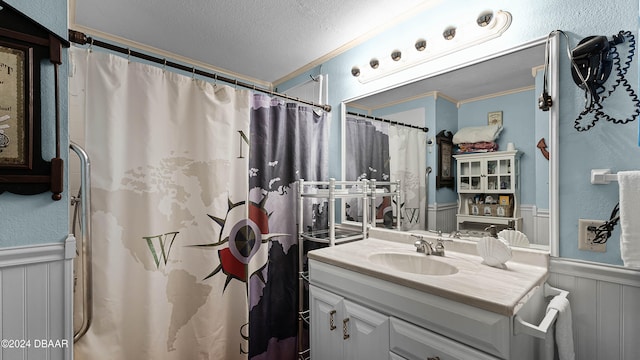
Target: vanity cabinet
484, 176
341, 329
386, 320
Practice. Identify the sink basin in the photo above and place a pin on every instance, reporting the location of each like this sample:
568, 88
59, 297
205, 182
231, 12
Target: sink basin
413, 263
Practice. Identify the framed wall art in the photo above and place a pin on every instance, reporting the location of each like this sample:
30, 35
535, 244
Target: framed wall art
24, 45
16, 121
444, 177
494, 118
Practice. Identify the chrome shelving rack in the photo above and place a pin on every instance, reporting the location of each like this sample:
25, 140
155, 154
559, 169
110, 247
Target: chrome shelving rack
329, 191
383, 189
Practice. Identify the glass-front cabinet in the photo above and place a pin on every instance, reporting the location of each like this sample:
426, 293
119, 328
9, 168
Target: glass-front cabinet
486, 172
488, 189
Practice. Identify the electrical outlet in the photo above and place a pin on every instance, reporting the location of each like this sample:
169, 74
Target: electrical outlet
586, 236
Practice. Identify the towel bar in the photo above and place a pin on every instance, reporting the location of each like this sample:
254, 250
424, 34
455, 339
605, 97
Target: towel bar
602, 176
540, 331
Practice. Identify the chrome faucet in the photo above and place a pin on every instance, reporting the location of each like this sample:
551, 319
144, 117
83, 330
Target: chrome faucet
455, 234
422, 245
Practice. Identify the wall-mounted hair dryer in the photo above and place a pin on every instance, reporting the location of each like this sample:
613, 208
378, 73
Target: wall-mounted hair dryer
593, 60
593, 63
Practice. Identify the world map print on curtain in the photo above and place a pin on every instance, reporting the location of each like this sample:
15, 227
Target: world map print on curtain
172, 228
288, 142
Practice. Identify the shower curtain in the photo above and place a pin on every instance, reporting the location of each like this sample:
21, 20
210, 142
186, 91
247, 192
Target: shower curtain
408, 153
288, 142
376, 150
367, 157
173, 231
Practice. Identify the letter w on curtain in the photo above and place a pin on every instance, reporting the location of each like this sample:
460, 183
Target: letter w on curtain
288, 142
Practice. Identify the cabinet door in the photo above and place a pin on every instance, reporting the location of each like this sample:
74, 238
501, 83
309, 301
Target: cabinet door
470, 175
326, 324
500, 175
366, 333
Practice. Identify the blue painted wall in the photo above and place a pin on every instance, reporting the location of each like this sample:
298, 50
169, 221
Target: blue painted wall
36, 219
518, 116
606, 146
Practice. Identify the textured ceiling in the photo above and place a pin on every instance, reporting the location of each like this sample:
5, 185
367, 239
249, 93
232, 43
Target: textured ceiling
261, 40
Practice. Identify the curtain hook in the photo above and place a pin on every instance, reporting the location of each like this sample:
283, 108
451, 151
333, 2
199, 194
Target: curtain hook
129, 55
164, 66
236, 84
215, 79
91, 46
193, 73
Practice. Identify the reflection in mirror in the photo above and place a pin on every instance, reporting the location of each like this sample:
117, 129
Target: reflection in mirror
386, 151
507, 85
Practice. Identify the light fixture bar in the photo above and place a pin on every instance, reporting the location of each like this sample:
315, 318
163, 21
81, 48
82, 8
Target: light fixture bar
436, 46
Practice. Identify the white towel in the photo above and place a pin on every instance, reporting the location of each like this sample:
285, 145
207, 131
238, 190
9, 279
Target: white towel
563, 328
629, 182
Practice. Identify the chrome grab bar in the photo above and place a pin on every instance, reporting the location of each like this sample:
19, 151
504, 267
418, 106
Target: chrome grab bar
85, 202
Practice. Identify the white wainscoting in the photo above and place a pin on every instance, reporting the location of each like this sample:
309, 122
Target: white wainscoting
442, 217
36, 287
535, 223
605, 304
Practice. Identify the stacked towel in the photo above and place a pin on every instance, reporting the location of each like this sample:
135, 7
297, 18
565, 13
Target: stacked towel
563, 328
629, 182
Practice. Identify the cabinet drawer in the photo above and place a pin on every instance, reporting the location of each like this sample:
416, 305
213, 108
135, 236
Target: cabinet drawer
415, 343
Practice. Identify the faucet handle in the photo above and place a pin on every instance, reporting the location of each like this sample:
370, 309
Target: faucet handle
439, 249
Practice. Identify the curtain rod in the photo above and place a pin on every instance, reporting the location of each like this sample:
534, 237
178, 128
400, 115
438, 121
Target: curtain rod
82, 39
392, 122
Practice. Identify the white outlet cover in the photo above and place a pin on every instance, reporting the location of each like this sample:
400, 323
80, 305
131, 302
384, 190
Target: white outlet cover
585, 237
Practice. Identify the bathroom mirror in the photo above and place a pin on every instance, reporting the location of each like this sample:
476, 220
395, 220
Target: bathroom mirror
509, 82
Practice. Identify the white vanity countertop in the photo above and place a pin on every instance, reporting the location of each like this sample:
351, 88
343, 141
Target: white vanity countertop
501, 291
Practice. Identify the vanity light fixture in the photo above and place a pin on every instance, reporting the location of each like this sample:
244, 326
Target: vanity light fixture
488, 25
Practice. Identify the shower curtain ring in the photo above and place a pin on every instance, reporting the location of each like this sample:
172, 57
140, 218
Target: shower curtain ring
91, 46
215, 79
193, 73
164, 66
129, 55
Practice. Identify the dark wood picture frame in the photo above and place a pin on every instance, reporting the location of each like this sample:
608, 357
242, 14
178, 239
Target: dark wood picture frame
444, 177
24, 46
